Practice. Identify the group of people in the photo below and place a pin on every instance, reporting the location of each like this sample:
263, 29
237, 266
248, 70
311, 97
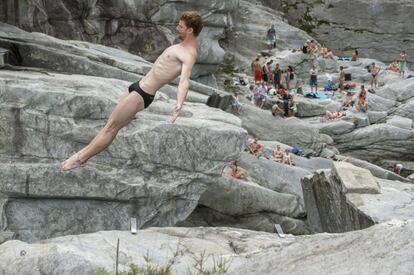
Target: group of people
271, 75
399, 65
256, 149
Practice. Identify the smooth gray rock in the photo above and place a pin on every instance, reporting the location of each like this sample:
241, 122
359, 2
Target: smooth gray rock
309, 107
273, 175
354, 179
350, 198
141, 27
406, 110
337, 128
359, 119
396, 201
401, 122
378, 103
261, 221
290, 131
334, 107
154, 170
375, 170
377, 142
399, 91
241, 251
240, 197
376, 117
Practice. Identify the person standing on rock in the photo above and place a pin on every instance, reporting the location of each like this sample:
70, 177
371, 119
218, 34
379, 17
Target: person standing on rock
313, 80
277, 74
176, 60
271, 38
257, 70
403, 63
374, 76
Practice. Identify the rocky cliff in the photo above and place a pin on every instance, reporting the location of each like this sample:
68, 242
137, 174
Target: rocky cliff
378, 29
142, 27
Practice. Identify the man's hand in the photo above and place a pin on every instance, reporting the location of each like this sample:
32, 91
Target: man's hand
176, 113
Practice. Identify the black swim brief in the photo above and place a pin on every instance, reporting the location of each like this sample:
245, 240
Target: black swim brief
147, 97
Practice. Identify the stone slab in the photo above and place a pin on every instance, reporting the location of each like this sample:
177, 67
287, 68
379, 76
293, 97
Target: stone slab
354, 179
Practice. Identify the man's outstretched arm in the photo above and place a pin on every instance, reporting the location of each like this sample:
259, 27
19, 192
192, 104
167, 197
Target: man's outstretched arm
183, 87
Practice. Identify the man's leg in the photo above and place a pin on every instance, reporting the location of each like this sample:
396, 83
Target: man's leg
123, 113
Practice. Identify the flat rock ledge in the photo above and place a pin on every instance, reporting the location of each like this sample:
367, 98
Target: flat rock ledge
382, 249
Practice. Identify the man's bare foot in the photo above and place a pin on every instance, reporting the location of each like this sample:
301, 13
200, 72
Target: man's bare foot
72, 163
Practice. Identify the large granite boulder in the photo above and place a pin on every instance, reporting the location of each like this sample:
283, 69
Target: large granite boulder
291, 131
406, 110
248, 205
141, 27
381, 249
377, 142
349, 198
401, 91
154, 171
309, 107
375, 170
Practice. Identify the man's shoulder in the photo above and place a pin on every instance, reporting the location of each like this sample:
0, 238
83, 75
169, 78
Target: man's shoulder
188, 54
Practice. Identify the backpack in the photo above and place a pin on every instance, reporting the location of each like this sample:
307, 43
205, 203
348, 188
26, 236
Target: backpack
296, 150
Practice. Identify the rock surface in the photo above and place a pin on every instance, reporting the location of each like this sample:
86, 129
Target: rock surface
381, 249
349, 198
151, 166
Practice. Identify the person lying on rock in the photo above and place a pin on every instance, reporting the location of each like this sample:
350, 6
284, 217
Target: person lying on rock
236, 172
176, 60
334, 115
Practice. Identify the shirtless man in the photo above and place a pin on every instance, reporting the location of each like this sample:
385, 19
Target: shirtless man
374, 76
257, 70
176, 60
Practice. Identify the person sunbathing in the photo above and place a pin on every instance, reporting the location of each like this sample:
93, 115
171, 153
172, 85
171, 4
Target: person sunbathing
334, 115
236, 172
277, 154
287, 158
254, 147
394, 67
348, 101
